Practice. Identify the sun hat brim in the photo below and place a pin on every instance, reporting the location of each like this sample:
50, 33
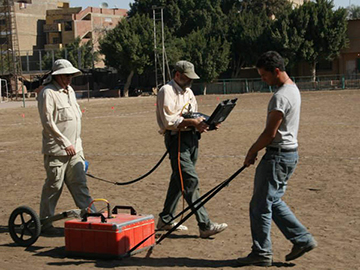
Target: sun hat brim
68, 70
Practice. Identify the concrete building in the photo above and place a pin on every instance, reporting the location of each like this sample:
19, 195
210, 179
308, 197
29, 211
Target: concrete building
64, 25
20, 31
349, 61
298, 2
30, 18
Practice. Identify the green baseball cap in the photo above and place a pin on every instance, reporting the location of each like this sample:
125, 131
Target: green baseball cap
186, 68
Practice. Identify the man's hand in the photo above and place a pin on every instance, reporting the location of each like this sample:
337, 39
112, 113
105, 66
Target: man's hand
200, 125
250, 158
266, 137
217, 126
70, 150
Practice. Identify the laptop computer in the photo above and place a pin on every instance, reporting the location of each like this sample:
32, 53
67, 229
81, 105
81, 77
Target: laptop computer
219, 115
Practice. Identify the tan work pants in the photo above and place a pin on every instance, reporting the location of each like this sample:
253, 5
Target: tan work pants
60, 170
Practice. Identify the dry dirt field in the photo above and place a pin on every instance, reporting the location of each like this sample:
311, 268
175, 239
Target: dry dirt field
121, 143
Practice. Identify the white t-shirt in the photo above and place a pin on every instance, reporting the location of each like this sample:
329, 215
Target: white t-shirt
287, 100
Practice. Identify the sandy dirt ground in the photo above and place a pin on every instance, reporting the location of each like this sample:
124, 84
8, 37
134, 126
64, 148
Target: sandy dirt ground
121, 142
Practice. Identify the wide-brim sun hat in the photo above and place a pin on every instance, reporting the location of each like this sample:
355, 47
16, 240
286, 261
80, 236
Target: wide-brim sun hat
63, 66
186, 68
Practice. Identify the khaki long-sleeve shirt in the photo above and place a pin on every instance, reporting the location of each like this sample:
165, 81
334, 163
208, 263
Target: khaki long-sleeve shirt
172, 101
60, 117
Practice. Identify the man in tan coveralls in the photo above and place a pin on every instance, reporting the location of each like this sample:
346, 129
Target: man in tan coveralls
60, 117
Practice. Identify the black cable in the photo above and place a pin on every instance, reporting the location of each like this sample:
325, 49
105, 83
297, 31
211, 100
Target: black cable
207, 196
145, 175
100, 179
131, 181
210, 195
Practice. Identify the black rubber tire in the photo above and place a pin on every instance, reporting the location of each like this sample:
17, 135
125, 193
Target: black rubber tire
24, 226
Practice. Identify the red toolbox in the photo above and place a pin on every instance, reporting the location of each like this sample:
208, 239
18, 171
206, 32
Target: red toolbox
109, 236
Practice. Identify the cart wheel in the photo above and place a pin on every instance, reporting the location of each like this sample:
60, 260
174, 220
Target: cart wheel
24, 226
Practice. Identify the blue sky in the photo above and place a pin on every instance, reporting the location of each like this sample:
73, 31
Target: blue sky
125, 3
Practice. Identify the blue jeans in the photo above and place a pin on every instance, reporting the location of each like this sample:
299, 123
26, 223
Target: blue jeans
272, 175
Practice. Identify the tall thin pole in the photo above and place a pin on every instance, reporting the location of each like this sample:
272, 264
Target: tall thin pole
163, 45
155, 48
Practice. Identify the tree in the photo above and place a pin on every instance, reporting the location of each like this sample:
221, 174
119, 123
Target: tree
72, 52
249, 32
209, 54
129, 46
271, 7
325, 32
288, 34
204, 31
192, 25
246, 34
353, 12
171, 11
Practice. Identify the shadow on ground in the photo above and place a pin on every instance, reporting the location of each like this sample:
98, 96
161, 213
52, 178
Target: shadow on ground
60, 253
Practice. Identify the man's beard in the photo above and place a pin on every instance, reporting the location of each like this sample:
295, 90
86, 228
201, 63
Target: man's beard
185, 85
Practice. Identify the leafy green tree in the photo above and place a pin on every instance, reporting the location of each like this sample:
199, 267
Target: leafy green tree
204, 30
185, 21
71, 52
129, 47
181, 17
209, 54
353, 12
325, 32
246, 34
271, 7
288, 34
250, 23
171, 11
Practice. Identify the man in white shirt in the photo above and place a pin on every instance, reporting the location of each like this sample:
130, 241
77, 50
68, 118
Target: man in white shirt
173, 100
64, 160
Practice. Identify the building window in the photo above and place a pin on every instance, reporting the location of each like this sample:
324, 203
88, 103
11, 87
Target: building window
68, 26
56, 40
22, 5
2, 22
324, 65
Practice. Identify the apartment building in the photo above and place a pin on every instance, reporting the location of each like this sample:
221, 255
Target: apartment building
64, 25
30, 18
349, 61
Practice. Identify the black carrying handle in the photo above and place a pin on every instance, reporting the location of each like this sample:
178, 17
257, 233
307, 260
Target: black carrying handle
86, 215
132, 210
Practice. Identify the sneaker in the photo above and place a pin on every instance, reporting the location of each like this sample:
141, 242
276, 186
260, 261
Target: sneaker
161, 226
299, 250
214, 229
255, 259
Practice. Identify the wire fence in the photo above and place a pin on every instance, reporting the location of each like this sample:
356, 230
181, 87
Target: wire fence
237, 86
39, 61
106, 83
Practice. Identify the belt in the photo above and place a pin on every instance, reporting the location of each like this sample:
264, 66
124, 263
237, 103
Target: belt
175, 132
281, 150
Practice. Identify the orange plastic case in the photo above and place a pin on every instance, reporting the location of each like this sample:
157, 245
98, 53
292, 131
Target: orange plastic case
97, 236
